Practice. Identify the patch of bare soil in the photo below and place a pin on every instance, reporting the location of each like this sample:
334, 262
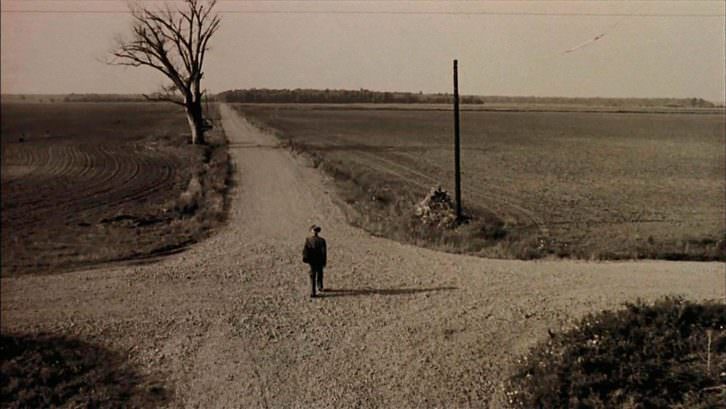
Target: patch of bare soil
229, 323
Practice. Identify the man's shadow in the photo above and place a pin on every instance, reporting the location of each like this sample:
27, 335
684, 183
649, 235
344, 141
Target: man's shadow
345, 292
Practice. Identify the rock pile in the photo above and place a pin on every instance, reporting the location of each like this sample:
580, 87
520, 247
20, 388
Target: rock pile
437, 209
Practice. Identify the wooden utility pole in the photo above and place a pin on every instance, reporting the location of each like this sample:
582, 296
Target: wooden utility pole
457, 144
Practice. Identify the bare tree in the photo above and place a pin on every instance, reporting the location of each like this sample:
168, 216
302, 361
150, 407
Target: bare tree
174, 42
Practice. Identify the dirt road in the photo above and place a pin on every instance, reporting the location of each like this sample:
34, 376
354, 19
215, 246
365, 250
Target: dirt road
229, 323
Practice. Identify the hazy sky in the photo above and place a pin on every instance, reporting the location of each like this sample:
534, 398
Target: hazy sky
503, 47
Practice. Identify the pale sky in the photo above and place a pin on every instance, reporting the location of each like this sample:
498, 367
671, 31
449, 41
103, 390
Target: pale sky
503, 47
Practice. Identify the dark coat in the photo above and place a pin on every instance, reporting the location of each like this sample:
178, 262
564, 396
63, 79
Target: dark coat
315, 252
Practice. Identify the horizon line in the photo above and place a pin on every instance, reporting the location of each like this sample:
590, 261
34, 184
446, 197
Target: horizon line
369, 90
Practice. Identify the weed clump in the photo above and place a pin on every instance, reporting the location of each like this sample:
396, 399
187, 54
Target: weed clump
671, 354
189, 198
437, 209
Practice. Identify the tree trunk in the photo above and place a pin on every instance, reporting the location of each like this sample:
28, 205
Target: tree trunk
196, 121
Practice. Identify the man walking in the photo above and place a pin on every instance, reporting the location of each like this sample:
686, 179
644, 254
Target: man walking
315, 254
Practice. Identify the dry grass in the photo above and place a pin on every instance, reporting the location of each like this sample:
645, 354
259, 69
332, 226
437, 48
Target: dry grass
582, 185
50, 371
670, 354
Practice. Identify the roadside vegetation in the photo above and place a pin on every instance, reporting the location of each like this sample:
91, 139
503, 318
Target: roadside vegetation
203, 204
43, 371
535, 184
670, 354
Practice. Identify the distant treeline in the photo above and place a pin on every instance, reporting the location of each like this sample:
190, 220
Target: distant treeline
52, 98
330, 96
104, 98
365, 96
337, 96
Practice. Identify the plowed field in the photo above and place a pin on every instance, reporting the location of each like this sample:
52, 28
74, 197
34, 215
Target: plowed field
83, 183
580, 184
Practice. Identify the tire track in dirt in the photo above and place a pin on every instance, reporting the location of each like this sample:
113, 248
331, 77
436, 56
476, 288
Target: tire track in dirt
230, 325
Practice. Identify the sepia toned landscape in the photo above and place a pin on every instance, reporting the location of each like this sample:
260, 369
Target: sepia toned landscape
570, 184
98, 182
153, 226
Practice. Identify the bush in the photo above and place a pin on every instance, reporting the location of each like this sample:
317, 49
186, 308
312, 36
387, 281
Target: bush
644, 356
437, 209
189, 199
43, 370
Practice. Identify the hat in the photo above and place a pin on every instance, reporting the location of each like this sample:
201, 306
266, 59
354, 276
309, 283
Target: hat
315, 227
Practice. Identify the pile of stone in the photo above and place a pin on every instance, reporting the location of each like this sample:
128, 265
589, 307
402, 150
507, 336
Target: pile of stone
437, 209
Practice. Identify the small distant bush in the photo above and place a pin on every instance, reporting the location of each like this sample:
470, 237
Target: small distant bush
437, 209
644, 356
189, 199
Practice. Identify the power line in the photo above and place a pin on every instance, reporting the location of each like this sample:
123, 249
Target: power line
375, 12
381, 1
390, 12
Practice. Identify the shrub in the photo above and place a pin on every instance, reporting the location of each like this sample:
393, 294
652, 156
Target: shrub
50, 371
644, 356
189, 199
437, 209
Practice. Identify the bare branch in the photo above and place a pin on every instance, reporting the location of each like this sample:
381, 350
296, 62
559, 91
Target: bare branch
158, 98
166, 94
173, 42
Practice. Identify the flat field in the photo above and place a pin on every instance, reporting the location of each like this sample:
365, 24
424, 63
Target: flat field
573, 184
89, 182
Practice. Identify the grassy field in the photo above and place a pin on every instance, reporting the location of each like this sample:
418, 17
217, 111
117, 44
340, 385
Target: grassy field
572, 184
90, 182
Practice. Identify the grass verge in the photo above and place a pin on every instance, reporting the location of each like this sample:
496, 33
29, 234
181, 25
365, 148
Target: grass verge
203, 204
671, 354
